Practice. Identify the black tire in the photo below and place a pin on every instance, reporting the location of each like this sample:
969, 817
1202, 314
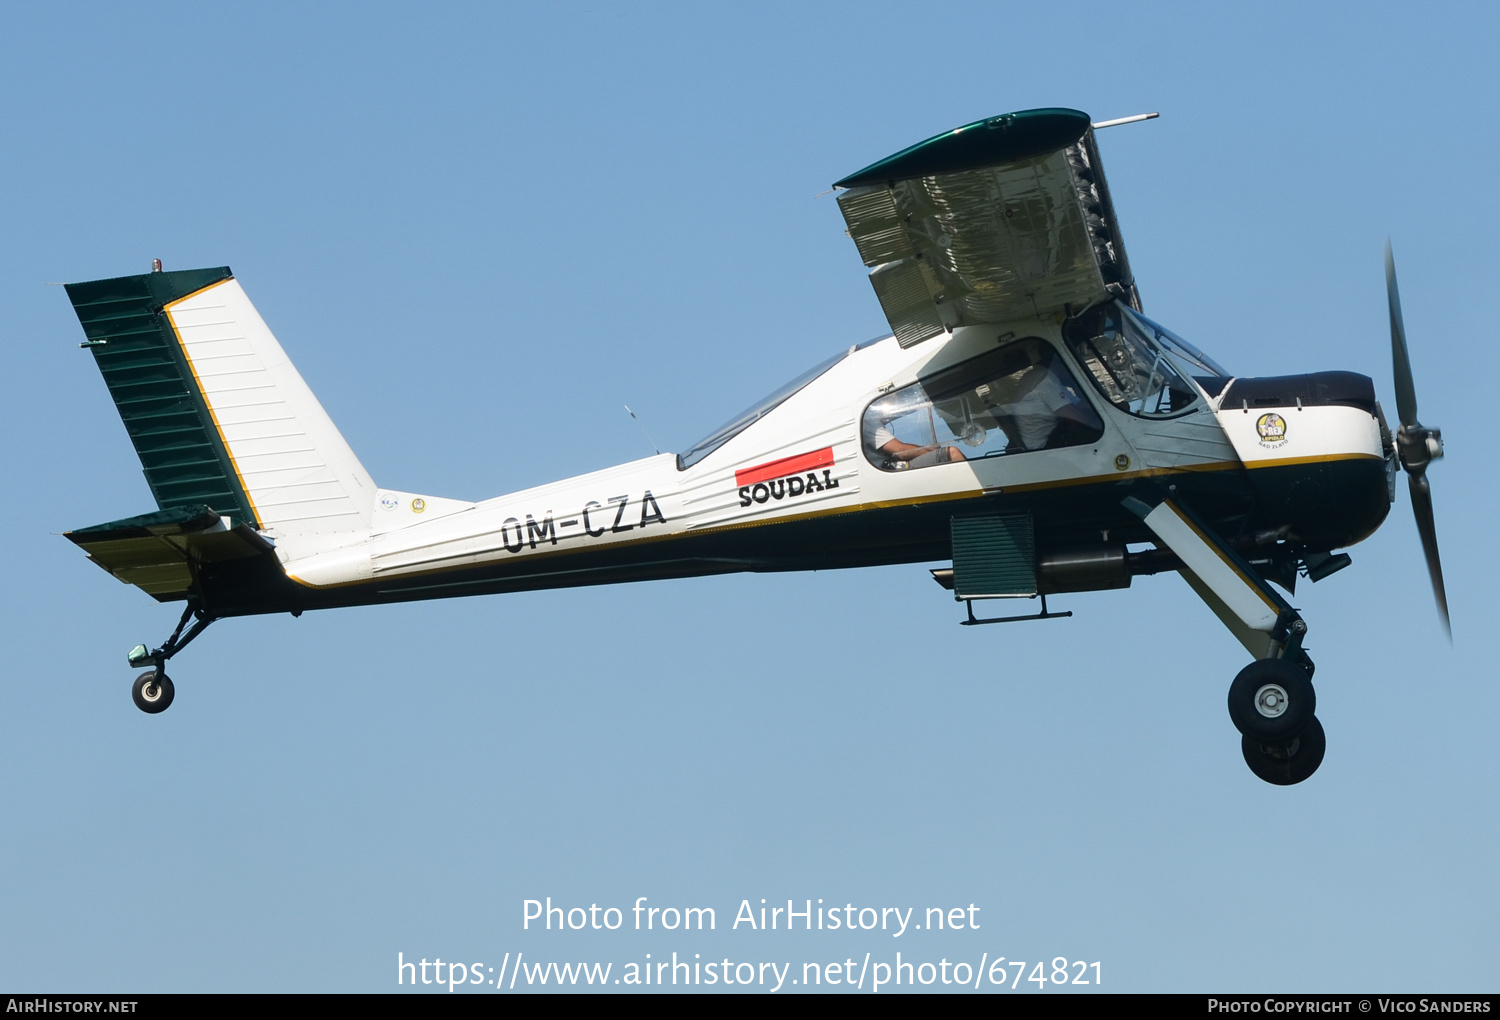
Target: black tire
152, 694
1271, 701
1289, 764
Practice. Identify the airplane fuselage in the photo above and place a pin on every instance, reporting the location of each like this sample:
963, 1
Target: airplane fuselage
1300, 458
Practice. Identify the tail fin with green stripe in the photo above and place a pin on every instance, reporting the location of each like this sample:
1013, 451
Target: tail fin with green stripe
217, 413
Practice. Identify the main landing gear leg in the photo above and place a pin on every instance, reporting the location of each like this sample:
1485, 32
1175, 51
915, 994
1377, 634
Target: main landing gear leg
1271, 701
153, 690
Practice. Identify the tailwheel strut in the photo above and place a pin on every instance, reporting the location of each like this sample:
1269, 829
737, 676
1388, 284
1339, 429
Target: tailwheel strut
152, 691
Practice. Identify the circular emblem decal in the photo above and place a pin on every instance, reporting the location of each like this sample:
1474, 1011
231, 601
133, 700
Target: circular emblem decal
418, 505
1122, 462
1272, 429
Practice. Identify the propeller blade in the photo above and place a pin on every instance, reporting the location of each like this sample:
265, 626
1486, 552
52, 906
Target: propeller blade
1406, 390
1421, 506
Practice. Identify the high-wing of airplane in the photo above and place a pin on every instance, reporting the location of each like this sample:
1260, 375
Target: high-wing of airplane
1025, 422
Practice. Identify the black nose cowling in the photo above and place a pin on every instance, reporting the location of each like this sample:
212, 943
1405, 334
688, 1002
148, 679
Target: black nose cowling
1326, 473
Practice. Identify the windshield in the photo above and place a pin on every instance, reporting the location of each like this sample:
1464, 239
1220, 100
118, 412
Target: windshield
1128, 362
1198, 363
740, 422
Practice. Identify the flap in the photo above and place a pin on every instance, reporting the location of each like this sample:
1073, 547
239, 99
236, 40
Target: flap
1002, 219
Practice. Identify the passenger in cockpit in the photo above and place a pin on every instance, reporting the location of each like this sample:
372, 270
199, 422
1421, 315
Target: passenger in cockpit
1014, 399
915, 456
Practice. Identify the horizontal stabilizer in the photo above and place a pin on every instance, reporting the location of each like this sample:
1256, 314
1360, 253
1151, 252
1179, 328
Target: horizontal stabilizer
160, 552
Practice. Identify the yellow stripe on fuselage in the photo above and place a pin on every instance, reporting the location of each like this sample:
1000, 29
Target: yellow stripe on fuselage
878, 505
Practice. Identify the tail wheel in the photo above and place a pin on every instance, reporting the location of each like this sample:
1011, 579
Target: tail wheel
152, 692
1290, 763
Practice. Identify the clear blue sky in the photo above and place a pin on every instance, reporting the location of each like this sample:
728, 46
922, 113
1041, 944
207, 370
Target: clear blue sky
479, 230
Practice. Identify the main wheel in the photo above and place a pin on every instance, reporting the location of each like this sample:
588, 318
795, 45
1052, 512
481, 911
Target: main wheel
1287, 764
152, 693
1271, 701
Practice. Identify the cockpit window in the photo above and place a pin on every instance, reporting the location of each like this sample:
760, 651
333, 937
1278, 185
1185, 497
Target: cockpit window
1129, 365
740, 422
1018, 398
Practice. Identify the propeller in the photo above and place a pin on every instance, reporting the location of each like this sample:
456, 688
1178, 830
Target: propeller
1416, 445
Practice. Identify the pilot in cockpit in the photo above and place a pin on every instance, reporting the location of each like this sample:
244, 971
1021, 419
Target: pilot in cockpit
1046, 401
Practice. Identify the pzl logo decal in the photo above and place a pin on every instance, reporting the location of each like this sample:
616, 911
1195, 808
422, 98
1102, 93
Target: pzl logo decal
788, 477
1272, 429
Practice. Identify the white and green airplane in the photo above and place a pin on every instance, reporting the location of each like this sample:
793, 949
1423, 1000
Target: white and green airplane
1025, 421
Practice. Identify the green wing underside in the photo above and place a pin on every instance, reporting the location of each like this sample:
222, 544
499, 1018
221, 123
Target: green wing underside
153, 388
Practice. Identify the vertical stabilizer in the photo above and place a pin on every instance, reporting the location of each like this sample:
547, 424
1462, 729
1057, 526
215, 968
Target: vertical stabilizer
217, 412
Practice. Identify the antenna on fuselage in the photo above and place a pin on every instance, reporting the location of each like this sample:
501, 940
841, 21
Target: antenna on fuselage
643, 429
